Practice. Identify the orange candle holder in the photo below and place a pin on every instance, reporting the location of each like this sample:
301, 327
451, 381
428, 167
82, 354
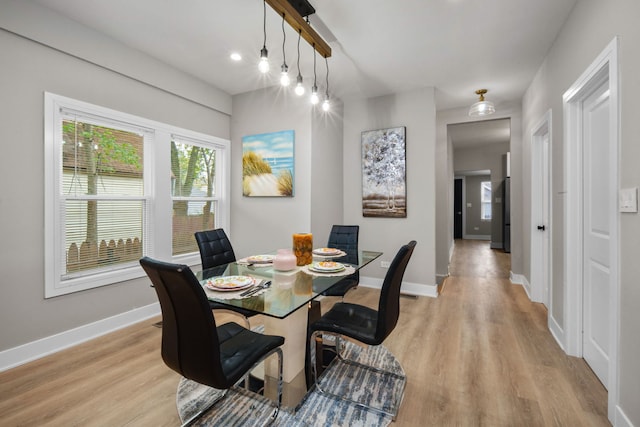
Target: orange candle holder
303, 248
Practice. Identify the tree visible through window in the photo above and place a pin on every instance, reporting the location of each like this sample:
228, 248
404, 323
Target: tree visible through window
102, 186
193, 171
108, 199
485, 200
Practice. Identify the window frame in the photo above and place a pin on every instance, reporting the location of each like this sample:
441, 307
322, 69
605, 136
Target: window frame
483, 202
157, 217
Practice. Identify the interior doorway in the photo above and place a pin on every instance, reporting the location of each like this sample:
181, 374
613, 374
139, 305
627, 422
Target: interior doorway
591, 114
458, 217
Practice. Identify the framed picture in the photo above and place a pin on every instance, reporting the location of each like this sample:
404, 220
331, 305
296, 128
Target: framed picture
384, 192
268, 164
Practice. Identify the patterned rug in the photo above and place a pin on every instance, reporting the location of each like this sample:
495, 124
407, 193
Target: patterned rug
241, 408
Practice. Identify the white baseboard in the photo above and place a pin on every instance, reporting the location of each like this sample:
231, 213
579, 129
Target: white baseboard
520, 279
556, 331
43, 347
476, 237
621, 419
408, 288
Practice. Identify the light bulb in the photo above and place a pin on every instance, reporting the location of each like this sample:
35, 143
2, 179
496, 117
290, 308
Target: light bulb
284, 76
263, 65
314, 95
299, 86
326, 105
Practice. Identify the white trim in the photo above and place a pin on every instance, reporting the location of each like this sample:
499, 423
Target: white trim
476, 237
157, 200
603, 69
542, 128
520, 279
556, 331
43, 347
408, 288
621, 418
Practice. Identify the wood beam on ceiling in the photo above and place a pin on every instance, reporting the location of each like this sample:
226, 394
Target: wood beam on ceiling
298, 23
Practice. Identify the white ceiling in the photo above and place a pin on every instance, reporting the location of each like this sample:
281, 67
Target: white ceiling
379, 46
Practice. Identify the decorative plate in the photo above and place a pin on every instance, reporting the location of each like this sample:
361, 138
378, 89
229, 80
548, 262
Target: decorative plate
326, 251
229, 283
260, 259
327, 266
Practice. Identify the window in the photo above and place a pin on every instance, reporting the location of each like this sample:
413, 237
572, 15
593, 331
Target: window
485, 200
193, 189
113, 193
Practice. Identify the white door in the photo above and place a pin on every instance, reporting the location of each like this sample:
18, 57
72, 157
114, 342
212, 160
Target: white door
540, 208
596, 261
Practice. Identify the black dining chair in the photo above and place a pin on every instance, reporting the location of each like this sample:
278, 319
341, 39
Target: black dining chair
216, 250
345, 238
366, 325
194, 346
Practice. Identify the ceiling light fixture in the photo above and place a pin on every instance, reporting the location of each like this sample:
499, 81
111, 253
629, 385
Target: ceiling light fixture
314, 88
326, 105
263, 65
482, 107
293, 11
284, 74
299, 85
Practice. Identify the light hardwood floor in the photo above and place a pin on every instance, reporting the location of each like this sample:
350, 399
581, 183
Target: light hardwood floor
479, 355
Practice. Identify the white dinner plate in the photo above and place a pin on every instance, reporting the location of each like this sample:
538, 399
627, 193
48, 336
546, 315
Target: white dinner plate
326, 251
260, 259
229, 283
327, 266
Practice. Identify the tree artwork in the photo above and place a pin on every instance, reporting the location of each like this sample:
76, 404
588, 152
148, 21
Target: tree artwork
383, 173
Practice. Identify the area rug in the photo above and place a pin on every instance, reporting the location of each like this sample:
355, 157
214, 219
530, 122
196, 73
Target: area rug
242, 408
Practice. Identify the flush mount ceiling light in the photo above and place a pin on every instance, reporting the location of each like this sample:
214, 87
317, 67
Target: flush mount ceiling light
482, 107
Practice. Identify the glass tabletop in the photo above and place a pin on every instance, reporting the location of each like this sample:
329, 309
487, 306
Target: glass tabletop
289, 290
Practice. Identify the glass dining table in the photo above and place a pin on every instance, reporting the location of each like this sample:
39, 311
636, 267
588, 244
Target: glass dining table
288, 304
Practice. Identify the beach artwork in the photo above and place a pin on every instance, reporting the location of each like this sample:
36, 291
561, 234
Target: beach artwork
268, 164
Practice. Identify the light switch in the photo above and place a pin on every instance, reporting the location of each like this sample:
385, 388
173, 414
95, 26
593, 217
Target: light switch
468, 205
629, 199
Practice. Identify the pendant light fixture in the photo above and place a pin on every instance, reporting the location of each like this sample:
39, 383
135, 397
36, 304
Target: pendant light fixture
284, 74
263, 65
299, 85
326, 105
314, 89
482, 107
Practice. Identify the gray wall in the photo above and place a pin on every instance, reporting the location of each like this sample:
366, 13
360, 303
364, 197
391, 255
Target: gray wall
416, 111
488, 157
28, 70
448, 161
590, 27
262, 224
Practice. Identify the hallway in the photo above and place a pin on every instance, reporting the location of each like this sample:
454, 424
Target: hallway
489, 359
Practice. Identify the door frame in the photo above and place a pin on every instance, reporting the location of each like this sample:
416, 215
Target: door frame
540, 131
603, 70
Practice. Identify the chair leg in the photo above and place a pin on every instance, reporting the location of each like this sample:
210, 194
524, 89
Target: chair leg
393, 412
200, 413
